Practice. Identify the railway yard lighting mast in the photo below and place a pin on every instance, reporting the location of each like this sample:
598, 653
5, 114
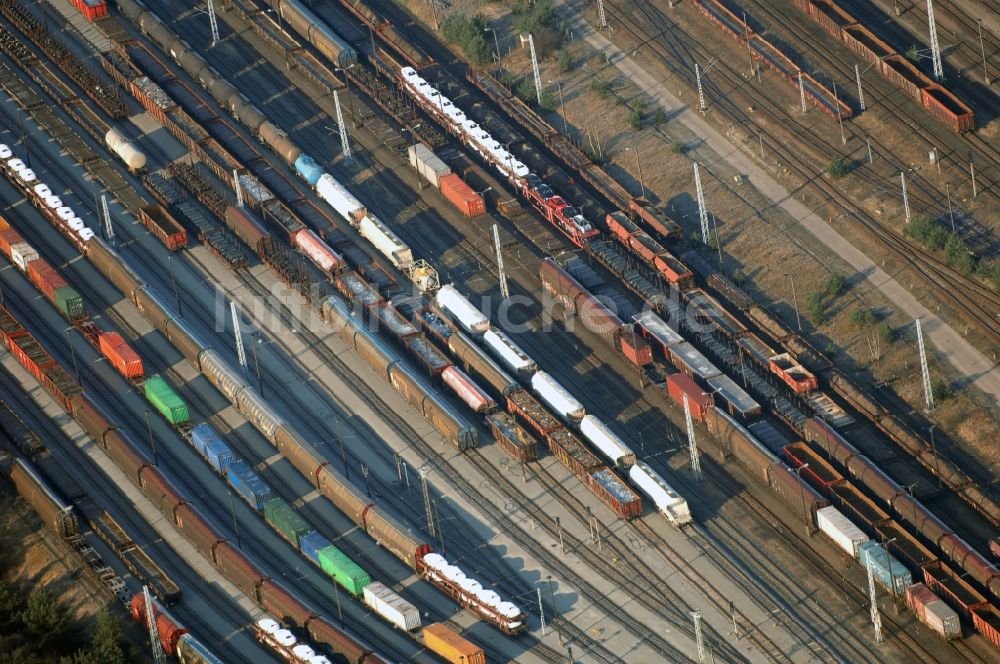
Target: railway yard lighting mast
109, 230
154, 637
344, 144
702, 214
935, 48
241, 353
237, 188
562, 105
925, 373
504, 288
699, 635
601, 14
802, 93
906, 199
534, 69
213, 23
876, 617
861, 92
982, 49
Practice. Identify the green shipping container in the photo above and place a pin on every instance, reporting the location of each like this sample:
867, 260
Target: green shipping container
344, 571
166, 400
68, 301
280, 514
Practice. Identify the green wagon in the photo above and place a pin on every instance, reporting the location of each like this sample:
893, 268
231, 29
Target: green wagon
344, 571
165, 400
68, 301
286, 520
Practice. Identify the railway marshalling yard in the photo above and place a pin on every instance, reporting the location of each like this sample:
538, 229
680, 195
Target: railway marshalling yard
360, 399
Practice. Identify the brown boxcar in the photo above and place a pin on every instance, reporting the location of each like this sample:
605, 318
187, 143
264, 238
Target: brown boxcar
393, 536
947, 108
520, 402
905, 76
904, 546
373, 352
110, 265
90, 419
156, 487
794, 492
53, 512
123, 454
752, 454
829, 440
306, 458
512, 438
559, 284
246, 227
598, 318
927, 524
819, 473
614, 493
194, 527
572, 453
857, 507
282, 604
349, 499
324, 632
477, 364
237, 568
952, 588
166, 229
987, 622
162, 319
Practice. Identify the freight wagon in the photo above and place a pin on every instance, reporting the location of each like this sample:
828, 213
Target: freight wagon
166, 229
471, 594
18, 433
934, 613
55, 513
512, 438
176, 639
671, 504
444, 642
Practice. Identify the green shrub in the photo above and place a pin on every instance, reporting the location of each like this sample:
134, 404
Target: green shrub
43, 618
659, 117
739, 277
924, 230
886, 333
958, 256
863, 316
635, 119
815, 308
601, 87
677, 148
564, 60
940, 390
526, 89
995, 275
535, 17
835, 285
548, 102
469, 34
837, 168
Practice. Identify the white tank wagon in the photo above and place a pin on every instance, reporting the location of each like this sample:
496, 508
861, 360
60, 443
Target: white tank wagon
670, 503
557, 397
467, 315
509, 352
604, 439
134, 158
388, 243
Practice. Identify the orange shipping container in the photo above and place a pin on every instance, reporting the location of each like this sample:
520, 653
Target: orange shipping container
3, 224
9, 237
47, 279
461, 196
122, 357
451, 646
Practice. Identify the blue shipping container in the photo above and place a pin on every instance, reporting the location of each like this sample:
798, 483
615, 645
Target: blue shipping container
248, 484
219, 455
201, 436
311, 544
887, 570
307, 167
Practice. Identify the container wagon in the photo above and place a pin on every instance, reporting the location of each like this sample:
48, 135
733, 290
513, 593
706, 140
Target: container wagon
442, 641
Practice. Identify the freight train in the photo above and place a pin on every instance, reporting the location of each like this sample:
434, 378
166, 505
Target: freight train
271, 634
177, 641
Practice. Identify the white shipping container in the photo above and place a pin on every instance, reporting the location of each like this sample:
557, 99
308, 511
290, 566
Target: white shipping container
839, 528
556, 396
387, 242
26, 176
340, 199
669, 502
5, 152
467, 315
23, 253
391, 606
605, 440
509, 352
42, 190
942, 619
428, 164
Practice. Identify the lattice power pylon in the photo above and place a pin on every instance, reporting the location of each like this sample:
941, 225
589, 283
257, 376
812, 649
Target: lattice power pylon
238, 334
876, 617
427, 501
534, 69
935, 48
802, 94
699, 635
237, 188
344, 144
692, 442
213, 23
701, 90
154, 636
109, 230
504, 288
906, 199
702, 212
861, 92
600, 12
925, 372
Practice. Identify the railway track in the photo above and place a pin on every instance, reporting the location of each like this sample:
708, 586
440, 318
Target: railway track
974, 301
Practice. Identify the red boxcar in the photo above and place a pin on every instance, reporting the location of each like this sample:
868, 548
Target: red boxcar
92, 10
122, 357
699, 401
635, 349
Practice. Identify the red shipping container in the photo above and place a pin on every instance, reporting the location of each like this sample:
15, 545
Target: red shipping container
9, 237
699, 400
47, 279
635, 349
122, 357
461, 196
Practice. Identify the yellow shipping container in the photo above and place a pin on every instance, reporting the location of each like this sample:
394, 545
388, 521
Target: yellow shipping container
451, 646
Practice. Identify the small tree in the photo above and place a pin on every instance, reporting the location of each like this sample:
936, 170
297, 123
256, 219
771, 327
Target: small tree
863, 316
106, 641
601, 87
44, 618
526, 89
564, 60
886, 333
469, 34
635, 119
659, 117
940, 390
10, 603
835, 285
677, 148
548, 102
837, 168
958, 256
815, 309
